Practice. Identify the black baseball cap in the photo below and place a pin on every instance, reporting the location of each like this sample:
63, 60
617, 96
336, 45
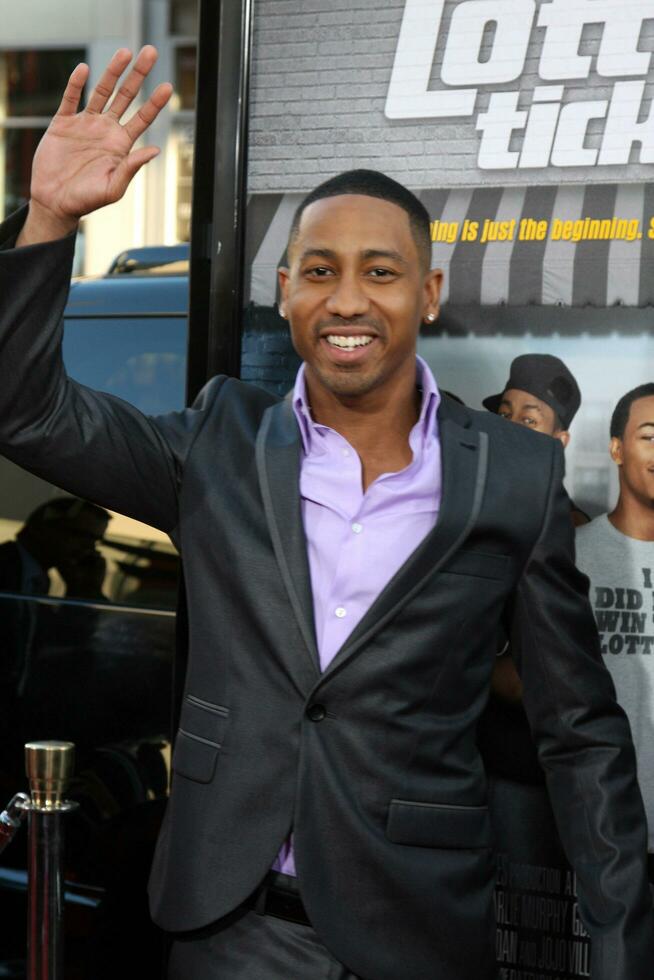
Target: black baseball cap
547, 378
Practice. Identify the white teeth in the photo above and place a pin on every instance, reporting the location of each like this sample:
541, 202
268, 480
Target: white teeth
348, 343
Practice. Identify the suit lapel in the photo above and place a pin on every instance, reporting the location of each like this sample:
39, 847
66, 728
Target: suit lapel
464, 454
278, 466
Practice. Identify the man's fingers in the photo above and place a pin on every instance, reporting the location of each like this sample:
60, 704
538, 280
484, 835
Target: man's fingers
130, 88
105, 87
73, 91
128, 168
148, 112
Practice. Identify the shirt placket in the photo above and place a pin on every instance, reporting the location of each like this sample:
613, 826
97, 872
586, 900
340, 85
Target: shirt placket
344, 608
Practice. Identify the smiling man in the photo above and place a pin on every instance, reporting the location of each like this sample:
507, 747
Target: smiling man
348, 553
616, 551
358, 284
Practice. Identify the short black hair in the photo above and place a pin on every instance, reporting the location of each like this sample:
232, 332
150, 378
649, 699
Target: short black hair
373, 183
621, 411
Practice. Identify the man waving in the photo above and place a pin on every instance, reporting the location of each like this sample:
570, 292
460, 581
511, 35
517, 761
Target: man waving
348, 555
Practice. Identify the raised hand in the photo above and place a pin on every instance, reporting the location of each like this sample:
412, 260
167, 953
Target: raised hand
86, 159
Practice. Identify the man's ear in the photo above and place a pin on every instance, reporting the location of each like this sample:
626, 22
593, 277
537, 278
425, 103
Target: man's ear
283, 277
433, 286
615, 449
563, 436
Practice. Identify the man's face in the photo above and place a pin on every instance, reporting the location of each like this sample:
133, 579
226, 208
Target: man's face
634, 453
355, 293
524, 408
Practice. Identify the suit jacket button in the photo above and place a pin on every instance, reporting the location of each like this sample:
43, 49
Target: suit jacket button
316, 712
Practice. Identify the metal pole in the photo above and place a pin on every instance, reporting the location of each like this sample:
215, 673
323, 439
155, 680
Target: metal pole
219, 191
49, 766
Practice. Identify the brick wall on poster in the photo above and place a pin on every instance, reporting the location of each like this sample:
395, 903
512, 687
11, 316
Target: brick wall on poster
321, 76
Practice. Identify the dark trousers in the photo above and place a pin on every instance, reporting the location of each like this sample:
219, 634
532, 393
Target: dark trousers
247, 945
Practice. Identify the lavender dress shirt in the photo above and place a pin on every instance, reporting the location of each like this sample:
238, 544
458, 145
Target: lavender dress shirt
357, 541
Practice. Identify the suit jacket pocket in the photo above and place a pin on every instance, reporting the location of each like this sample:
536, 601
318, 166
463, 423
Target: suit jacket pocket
199, 738
438, 825
479, 563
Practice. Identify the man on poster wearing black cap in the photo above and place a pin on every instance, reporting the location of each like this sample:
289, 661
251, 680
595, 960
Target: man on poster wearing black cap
542, 394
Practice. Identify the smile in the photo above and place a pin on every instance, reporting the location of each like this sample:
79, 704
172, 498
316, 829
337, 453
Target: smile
348, 343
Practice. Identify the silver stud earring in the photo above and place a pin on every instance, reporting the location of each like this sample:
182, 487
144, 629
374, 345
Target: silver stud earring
282, 313
430, 317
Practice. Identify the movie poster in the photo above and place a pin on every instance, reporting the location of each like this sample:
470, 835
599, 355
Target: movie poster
527, 129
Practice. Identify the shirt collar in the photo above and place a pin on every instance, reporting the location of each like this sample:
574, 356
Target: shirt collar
426, 424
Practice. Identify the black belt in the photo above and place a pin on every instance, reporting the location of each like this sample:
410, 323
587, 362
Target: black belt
278, 896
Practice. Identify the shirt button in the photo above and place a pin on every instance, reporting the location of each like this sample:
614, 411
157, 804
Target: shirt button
346, 452
357, 528
340, 612
316, 712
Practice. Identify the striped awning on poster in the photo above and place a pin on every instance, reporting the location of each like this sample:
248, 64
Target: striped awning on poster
610, 262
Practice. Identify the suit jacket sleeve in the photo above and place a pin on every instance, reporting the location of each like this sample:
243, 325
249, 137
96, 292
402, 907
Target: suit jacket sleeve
585, 747
89, 443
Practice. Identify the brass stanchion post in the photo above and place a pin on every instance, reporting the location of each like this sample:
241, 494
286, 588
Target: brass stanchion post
49, 766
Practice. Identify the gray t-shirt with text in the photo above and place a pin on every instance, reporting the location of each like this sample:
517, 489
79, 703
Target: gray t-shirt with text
621, 573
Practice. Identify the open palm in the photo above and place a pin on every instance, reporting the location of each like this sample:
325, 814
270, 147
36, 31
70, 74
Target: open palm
85, 159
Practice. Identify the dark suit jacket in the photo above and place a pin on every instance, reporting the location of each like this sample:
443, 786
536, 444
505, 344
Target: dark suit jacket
384, 789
